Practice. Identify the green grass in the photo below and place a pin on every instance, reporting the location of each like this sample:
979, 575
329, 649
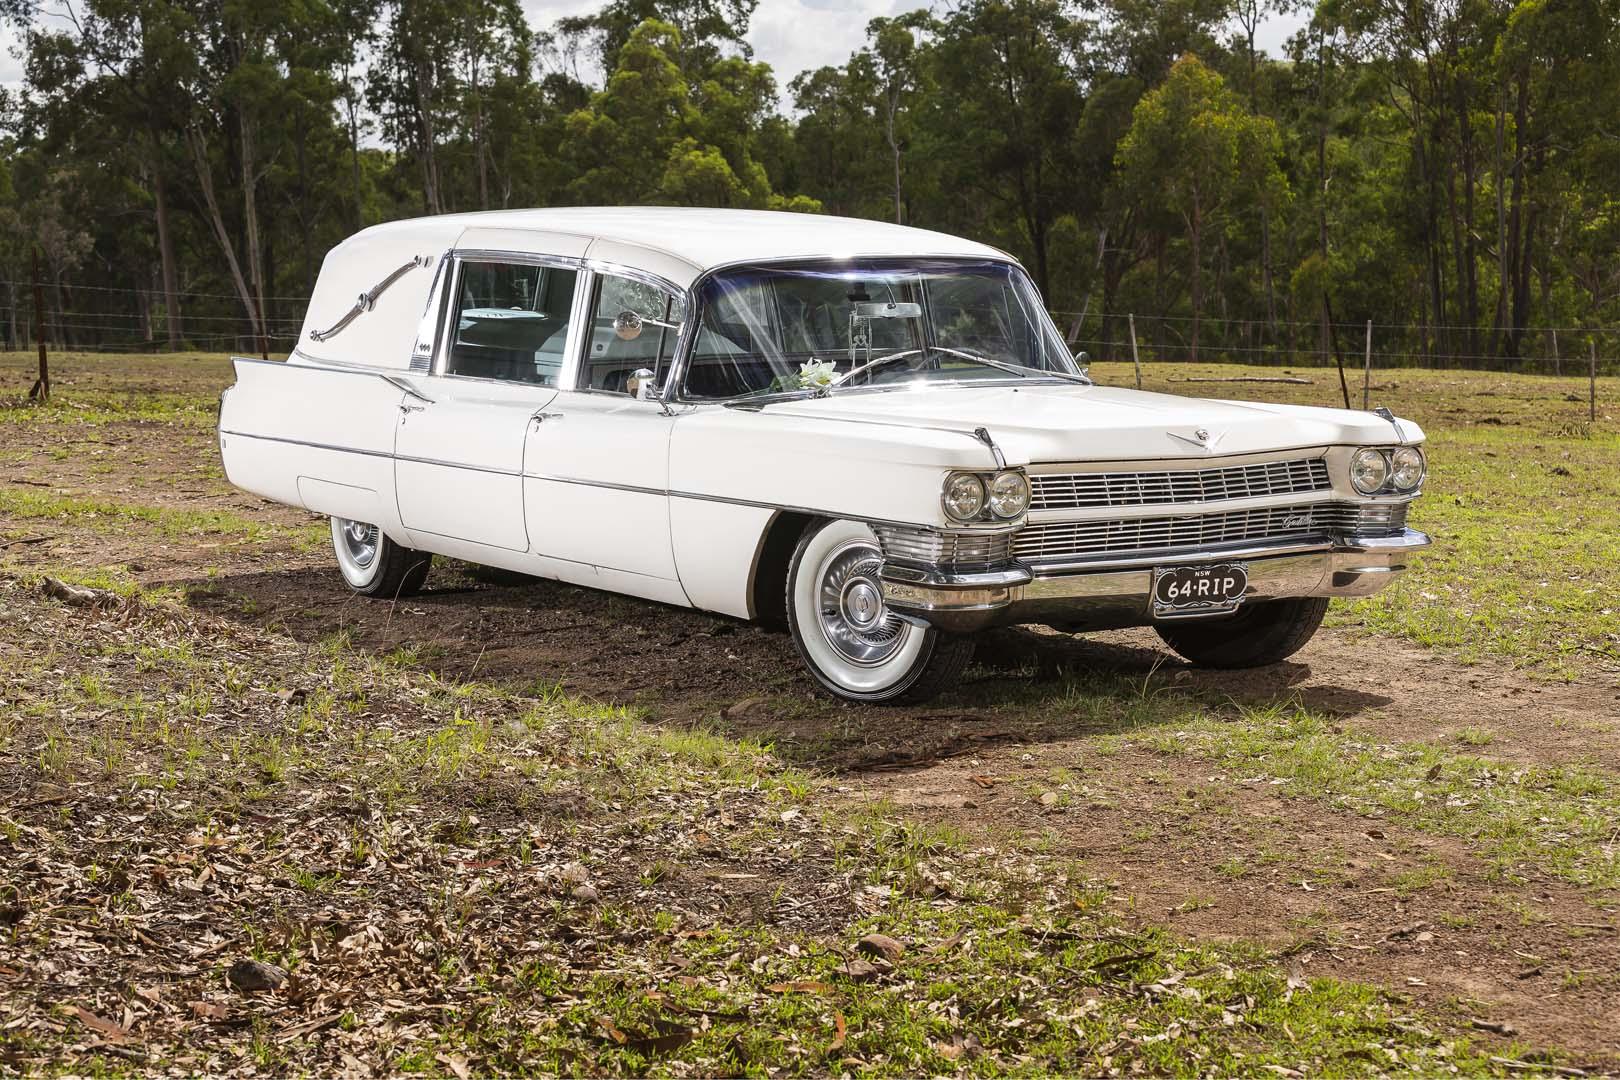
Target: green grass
108, 515
1525, 820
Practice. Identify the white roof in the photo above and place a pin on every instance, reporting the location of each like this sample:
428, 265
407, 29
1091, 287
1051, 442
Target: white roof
700, 238
674, 242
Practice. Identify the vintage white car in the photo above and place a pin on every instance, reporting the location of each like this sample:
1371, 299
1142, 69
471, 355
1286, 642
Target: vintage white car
872, 434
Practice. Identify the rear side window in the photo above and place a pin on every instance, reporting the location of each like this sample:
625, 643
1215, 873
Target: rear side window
511, 322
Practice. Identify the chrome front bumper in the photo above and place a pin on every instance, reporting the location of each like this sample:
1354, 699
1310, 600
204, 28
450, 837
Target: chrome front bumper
1118, 592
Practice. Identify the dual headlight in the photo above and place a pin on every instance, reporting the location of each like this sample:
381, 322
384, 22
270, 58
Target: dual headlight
975, 496
1375, 470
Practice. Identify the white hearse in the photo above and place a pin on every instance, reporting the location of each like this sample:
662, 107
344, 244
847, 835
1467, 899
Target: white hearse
871, 434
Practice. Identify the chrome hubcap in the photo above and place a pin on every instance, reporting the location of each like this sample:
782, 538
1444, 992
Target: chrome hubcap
853, 617
360, 542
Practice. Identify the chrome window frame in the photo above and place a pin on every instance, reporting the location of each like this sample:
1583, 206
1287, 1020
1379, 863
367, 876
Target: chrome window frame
462, 256
595, 268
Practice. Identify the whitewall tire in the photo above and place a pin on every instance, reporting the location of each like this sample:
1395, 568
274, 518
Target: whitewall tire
852, 642
373, 565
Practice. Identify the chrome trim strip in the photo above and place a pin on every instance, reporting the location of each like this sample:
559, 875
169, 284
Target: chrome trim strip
731, 501
1186, 558
780, 507
373, 453
395, 380
959, 579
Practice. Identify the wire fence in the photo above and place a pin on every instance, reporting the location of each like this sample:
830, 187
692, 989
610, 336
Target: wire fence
85, 317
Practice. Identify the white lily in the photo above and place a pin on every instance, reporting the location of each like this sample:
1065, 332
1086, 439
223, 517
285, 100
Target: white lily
816, 373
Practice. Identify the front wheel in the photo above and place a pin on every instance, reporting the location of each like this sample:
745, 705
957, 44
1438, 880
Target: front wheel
374, 565
854, 645
1266, 632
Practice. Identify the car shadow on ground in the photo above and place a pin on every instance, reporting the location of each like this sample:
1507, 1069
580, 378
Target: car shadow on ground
681, 667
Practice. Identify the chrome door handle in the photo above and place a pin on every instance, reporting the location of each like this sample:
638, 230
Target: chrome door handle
541, 417
404, 408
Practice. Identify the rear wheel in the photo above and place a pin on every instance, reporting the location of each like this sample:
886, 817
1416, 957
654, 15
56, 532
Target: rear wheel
854, 645
1262, 633
374, 565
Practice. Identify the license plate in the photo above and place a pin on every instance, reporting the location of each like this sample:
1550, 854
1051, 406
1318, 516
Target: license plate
1198, 590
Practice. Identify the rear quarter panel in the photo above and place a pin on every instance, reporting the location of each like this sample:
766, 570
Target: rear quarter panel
316, 438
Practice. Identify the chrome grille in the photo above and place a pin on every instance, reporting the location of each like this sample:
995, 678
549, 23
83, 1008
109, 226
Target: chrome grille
937, 548
1072, 491
1090, 539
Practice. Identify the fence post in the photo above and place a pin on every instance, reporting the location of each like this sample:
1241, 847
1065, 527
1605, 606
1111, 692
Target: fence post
1591, 384
41, 390
1558, 367
1135, 359
1366, 370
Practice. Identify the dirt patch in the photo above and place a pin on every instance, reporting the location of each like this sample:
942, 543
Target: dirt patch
1342, 895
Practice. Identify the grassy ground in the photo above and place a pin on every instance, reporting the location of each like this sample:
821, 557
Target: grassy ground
456, 876
481, 872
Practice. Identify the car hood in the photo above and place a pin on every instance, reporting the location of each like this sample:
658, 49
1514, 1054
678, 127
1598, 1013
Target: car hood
1101, 423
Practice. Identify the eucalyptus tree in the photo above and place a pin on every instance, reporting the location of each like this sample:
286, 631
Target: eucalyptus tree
1006, 97
1194, 151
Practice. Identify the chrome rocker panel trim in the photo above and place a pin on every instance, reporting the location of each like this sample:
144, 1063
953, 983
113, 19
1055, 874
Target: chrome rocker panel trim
1113, 595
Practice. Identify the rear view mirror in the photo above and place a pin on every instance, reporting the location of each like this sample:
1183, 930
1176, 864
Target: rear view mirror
881, 310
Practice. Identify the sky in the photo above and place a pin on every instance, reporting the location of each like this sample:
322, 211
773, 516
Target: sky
790, 35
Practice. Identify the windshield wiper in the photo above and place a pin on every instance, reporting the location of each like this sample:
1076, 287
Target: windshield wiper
1016, 369
824, 390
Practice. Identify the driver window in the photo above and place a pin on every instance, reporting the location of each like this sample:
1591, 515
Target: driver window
511, 322
615, 353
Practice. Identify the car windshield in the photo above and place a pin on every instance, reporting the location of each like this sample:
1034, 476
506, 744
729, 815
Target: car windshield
825, 326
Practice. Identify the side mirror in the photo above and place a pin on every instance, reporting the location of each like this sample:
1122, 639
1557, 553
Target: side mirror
1082, 360
641, 385
627, 325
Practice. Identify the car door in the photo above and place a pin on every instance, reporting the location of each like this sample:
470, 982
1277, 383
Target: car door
596, 459
460, 445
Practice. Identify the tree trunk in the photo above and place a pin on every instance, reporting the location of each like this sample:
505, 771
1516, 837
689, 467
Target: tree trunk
13, 339
1195, 237
306, 245
205, 181
892, 106
250, 223
1079, 322
479, 151
1504, 259
1522, 224
171, 282
354, 154
432, 197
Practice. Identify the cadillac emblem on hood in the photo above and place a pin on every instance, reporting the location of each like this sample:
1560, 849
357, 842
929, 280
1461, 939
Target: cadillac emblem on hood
1200, 438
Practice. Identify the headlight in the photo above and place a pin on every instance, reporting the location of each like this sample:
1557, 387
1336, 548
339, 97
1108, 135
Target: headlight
1406, 468
963, 497
1009, 494
1369, 471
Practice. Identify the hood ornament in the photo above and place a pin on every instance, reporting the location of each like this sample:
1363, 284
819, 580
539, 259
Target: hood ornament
1199, 438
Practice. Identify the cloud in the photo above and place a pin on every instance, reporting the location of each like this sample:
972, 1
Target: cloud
11, 66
